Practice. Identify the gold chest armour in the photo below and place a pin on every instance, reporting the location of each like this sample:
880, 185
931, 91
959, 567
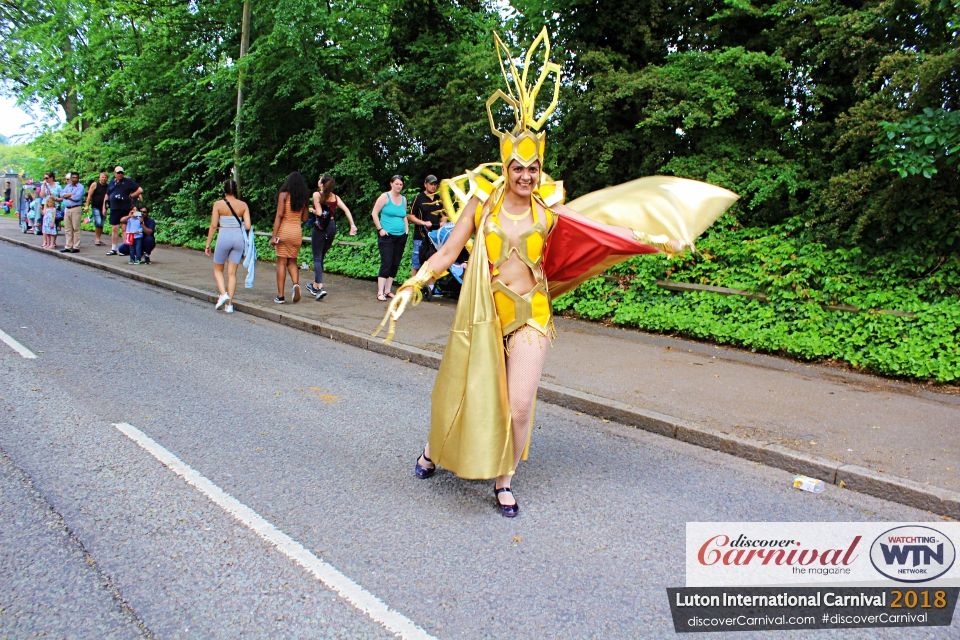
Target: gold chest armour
513, 309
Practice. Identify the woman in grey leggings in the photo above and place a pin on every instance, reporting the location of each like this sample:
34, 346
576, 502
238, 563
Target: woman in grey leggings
227, 217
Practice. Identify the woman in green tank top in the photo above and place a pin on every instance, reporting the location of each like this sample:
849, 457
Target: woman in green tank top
390, 218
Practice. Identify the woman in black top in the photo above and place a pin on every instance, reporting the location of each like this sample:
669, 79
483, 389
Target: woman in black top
324, 228
97, 203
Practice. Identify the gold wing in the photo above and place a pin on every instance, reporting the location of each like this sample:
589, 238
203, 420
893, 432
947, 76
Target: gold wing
662, 208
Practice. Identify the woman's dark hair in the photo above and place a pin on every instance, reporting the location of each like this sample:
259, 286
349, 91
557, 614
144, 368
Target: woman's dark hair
297, 192
230, 188
327, 186
400, 178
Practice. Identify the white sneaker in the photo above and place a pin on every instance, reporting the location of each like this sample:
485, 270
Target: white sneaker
229, 308
222, 300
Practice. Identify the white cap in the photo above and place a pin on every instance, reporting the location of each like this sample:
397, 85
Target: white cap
119, 169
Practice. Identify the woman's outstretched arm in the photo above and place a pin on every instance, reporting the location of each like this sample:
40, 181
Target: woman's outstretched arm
346, 212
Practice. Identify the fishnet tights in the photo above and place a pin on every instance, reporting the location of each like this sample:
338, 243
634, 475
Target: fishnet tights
527, 350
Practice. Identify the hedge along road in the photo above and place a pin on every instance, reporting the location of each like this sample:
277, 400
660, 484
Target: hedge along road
318, 439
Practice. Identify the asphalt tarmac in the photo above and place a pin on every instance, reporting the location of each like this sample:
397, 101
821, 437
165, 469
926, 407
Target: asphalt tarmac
98, 539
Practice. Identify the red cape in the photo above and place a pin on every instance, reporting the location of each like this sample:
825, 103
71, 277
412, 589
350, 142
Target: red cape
577, 251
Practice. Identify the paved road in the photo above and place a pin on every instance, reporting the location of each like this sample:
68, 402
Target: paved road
100, 540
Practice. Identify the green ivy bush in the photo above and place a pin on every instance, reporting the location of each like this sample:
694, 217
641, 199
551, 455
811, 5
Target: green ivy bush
796, 272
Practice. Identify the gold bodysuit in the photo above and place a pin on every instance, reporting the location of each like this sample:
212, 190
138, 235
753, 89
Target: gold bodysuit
513, 309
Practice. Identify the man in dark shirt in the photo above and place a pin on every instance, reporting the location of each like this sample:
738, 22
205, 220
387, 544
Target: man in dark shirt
120, 194
427, 215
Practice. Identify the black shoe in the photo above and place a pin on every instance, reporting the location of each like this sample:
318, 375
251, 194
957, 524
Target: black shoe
66, 250
312, 290
74, 250
321, 294
279, 300
112, 252
427, 294
506, 510
424, 472
146, 259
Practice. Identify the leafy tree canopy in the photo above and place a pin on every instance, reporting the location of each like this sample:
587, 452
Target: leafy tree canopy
842, 114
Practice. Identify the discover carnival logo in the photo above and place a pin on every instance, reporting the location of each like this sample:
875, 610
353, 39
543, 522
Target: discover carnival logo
912, 554
744, 551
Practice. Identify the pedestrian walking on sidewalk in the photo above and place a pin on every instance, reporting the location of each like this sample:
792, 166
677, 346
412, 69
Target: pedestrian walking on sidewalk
97, 204
325, 203
390, 218
231, 216
49, 223
120, 194
427, 215
72, 195
293, 207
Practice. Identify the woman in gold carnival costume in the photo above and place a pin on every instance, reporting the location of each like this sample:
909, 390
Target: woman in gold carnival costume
529, 247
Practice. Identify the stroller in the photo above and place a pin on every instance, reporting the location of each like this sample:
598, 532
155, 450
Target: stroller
30, 210
450, 284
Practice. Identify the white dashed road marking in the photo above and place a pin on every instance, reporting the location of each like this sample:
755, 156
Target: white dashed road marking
16, 346
352, 592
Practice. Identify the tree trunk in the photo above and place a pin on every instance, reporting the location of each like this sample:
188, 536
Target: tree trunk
244, 45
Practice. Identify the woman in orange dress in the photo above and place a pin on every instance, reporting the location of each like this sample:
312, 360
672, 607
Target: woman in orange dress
293, 204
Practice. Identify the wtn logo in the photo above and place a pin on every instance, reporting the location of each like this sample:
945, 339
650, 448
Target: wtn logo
912, 554
897, 554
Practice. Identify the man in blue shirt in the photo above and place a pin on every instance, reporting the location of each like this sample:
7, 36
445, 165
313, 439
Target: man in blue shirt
120, 194
72, 198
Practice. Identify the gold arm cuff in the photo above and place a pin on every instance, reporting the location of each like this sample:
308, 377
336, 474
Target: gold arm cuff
417, 282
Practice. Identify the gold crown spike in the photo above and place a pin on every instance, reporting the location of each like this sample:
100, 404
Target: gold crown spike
524, 144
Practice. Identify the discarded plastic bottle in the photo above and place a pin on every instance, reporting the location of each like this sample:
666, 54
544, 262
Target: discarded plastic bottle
809, 484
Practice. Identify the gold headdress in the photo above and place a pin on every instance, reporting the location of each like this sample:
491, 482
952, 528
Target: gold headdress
524, 144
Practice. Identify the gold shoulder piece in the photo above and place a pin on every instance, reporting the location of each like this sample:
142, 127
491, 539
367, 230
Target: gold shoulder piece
456, 192
551, 193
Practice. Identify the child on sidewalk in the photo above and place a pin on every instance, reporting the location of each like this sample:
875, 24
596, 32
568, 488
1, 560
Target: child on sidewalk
134, 236
49, 224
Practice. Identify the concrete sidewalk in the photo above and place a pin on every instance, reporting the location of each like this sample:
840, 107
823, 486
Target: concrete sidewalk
863, 431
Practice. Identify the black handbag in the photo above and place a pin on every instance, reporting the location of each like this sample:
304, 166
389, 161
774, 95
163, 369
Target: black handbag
322, 221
